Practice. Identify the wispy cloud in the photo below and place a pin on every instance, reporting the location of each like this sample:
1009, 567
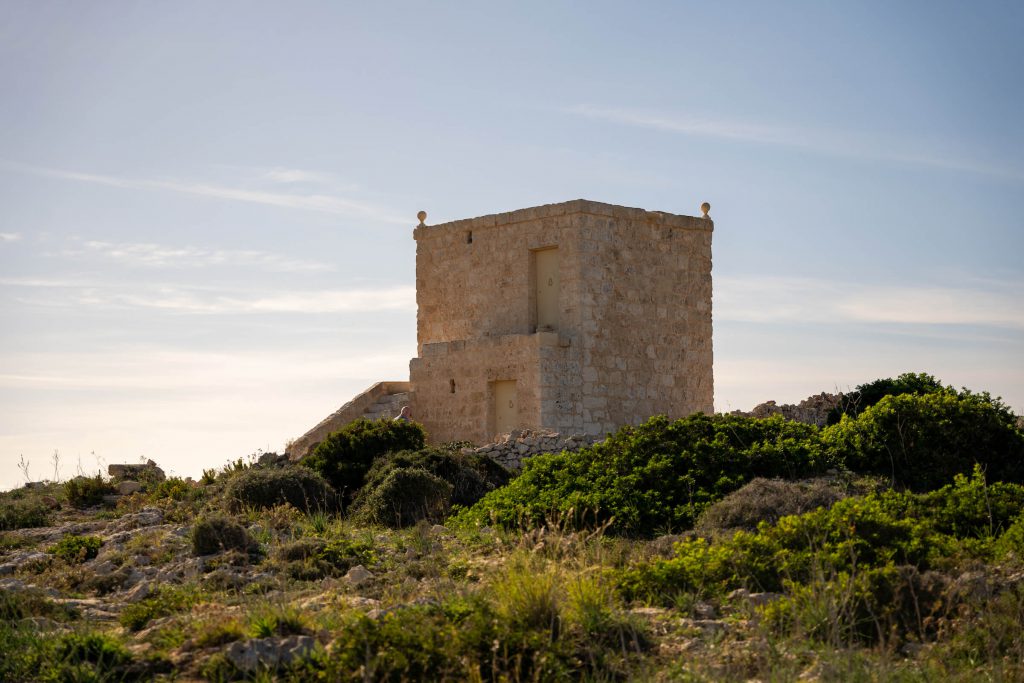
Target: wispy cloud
164, 256
837, 143
297, 175
151, 367
788, 300
174, 298
179, 300
325, 203
10, 236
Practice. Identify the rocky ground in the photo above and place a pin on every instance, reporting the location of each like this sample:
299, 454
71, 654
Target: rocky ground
315, 596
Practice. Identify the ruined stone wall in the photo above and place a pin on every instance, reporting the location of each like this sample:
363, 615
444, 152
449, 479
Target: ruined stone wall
646, 317
812, 410
516, 447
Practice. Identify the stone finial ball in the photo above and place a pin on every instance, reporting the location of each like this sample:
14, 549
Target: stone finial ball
422, 215
705, 207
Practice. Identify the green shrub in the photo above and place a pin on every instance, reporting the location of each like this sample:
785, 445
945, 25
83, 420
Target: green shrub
856, 534
278, 621
888, 603
300, 549
77, 549
97, 649
471, 475
1010, 545
345, 456
22, 604
515, 633
217, 533
308, 559
302, 488
404, 497
23, 514
870, 393
172, 488
345, 553
166, 600
922, 442
656, 477
766, 500
84, 492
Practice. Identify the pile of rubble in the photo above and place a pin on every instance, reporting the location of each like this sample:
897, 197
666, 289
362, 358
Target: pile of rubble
813, 410
129, 479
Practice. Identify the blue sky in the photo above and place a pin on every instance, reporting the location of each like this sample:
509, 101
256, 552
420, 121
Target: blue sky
206, 208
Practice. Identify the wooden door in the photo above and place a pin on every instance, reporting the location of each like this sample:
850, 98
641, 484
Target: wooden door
506, 412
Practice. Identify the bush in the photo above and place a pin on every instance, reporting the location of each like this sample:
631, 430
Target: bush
302, 488
84, 492
23, 514
77, 549
865, 607
767, 500
923, 442
471, 475
345, 456
855, 534
404, 497
22, 604
167, 600
656, 477
215, 534
308, 559
172, 488
465, 639
870, 393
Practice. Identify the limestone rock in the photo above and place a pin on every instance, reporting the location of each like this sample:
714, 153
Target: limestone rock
141, 591
268, 653
358, 575
149, 471
128, 487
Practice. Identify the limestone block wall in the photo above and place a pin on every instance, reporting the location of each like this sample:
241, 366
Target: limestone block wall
474, 277
453, 385
646, 317
633, 335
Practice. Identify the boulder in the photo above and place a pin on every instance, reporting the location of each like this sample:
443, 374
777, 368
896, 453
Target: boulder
268, 653
141, 591
128, 487
358, 575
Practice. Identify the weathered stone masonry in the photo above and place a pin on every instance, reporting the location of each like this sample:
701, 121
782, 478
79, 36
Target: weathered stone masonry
578, 317
632, 330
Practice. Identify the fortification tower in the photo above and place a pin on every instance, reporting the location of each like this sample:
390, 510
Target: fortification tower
579, 317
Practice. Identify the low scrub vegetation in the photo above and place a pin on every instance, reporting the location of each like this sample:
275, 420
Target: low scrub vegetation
767, 500
216, 533
405, 496
77, 549
299, 487
345, 456
887, 546
654, 478
24, 514
84, 491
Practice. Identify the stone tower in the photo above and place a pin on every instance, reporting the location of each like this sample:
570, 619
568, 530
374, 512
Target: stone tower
578, 317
